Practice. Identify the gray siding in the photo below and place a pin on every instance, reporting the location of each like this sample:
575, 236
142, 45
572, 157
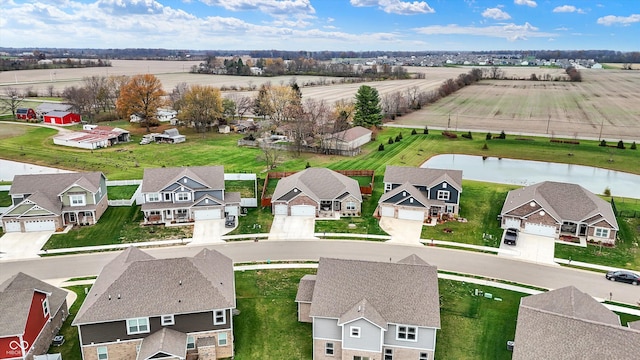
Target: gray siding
415, 203
103, 188
191, 184
326, 329
218, 194
426, 338
454, 194
369, 339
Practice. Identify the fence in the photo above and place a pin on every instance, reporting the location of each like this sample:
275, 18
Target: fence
625, 213
123, 182
305, 149
134, 197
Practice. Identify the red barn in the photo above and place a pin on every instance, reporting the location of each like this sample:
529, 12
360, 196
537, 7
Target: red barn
61, 118
25, 114
32, 312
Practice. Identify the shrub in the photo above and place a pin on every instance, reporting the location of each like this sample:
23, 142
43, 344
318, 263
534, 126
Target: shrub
467, 135
426, 130
390, 141
603, 143
489, 136
398, 138
413, 132
485, 146
502, 135
620, 145
308, 165
607, 191
633, 145
381, 147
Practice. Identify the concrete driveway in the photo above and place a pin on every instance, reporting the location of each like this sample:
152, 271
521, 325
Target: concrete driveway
209, 231
402, 231
292, 227
17, 245
529, 247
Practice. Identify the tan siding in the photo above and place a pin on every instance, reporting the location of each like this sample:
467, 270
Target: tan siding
318, 350
303, 312
122, 350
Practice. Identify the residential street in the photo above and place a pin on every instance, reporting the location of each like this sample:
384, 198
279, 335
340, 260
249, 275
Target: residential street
487, 265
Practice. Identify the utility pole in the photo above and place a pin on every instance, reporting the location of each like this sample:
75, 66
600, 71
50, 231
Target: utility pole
449, 121
601, 126
548, 122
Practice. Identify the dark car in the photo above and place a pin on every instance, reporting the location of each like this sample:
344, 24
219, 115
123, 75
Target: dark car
623, 276
511, 236
230, 221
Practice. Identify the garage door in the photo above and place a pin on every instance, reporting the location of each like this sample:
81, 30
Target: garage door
511, 223
12, 226
303, 210
280, 209
207, 214
410, 214
387, 211
539, 229
39, 225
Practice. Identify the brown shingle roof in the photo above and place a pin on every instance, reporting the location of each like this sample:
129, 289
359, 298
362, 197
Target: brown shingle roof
400, 293
16, 294
131, 284
305, 288
319, 184
53, 184
422, 176
156, 179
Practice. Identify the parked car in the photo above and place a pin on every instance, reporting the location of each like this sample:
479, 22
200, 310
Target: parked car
623, 276
230, 221
511, 236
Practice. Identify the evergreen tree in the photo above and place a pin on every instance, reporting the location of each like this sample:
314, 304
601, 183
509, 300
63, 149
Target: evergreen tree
368, 112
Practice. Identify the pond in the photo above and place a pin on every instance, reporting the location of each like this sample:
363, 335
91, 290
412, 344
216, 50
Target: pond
8, 169
526, 172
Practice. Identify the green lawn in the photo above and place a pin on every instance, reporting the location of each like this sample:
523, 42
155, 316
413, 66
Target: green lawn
254, 222
121, 192
246, 188
70, 350
5, 198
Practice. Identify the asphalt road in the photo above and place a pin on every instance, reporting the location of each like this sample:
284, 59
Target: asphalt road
491, 266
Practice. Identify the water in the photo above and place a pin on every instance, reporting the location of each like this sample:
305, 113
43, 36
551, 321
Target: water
526, 172
8, 169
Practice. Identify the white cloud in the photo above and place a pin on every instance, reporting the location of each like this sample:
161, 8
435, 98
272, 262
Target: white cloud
397, 6
619, 20
272, 7
529, 3
511, 32
567, 9
496, 14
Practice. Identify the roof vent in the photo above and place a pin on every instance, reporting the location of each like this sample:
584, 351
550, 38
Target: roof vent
184, 180
404, 193
109, 297
180, 282
118, 296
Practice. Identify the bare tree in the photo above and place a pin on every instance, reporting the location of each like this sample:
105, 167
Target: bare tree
11, 100
176, 97
244, 104
495, 72
80, 98
50, 90
270, 155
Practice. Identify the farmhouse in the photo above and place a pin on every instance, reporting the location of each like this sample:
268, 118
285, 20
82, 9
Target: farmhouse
62, 118
93, 137
162, 115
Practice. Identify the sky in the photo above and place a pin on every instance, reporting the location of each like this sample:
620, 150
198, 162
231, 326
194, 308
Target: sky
316, 25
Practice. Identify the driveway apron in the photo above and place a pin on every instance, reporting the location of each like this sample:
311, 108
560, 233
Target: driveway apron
402, 231
534, 248
292, 227
17, 245
208, 231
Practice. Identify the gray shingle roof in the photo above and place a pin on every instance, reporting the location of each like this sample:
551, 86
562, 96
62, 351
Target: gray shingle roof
16, 294
53, 185
363, 310
422, 176
164, 341
410, 190
305, 288
131, 284
567, 324
319, 184
400, 293
156, 179
563, 201
351, 134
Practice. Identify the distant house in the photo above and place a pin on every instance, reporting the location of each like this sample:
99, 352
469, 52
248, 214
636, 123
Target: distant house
62, 118
32, 312
568, 324
162, 115
171, 136
347, 140
316, 191
371, 310
557, 209
186, 194
93, 137
25, 114
224, 129
419, 193
46, 202
145, 308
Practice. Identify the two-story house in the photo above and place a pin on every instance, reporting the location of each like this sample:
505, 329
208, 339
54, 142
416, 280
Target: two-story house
144, 308
31, 313
184, 194
420, 193
367, 310
46, 202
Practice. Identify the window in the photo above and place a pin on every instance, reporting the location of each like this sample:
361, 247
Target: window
222, 339
388, 354
328, 348
351, 205
443, 195
219, 318
449, 209
191, 342
167, 320
167, 197
137, 326
387, 187
355, 331
76, 200
45, 307
356, 357
184, 196
406, 333
102, 353
72, 217
601, 232
423, 356
153, 197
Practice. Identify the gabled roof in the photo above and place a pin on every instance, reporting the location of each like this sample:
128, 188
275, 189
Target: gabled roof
305, 288
563, 201
351, 134
57, 113
47, 107
16, 294
569, 324
319, 184
409, 191
400, 293
136, 284
156, 179
422, 176
165, 342
363, 310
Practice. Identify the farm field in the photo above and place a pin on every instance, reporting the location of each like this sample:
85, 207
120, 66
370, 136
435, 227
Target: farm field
607, 101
